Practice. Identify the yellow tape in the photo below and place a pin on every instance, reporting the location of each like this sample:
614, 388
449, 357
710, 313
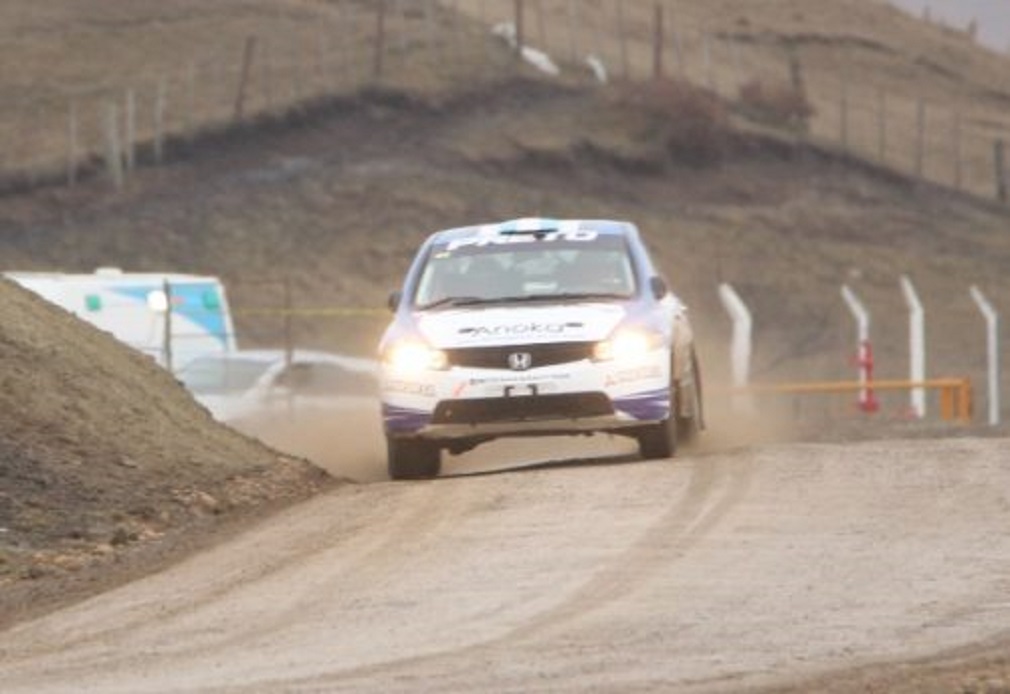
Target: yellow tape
333, 311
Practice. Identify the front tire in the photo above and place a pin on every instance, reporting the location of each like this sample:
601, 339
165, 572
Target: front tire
659, 441
412, 459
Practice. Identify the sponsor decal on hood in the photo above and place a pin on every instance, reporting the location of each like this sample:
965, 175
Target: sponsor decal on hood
520, 325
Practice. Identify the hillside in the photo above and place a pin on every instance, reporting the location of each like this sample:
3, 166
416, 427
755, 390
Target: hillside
785, 226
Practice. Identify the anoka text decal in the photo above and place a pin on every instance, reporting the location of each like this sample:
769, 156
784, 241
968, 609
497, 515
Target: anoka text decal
526, 328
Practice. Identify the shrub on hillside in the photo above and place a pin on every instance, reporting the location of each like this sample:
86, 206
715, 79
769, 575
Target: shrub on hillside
779, 105
691, 121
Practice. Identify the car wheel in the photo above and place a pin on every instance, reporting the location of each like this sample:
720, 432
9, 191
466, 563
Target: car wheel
412, 459
691, 424
659, 441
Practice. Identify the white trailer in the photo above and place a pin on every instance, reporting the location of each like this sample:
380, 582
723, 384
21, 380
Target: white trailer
133, 307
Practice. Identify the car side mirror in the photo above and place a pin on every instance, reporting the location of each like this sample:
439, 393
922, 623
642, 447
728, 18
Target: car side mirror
393, 302
658, 287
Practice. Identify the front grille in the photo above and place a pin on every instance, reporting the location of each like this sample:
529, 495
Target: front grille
548, 354
522, 408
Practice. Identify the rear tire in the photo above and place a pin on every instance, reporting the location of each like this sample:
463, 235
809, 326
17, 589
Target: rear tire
412, 459
692, 423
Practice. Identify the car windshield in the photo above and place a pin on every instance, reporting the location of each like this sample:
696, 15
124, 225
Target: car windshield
527, 270
222, 375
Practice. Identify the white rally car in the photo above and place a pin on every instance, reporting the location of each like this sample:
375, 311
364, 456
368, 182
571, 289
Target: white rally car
535, 327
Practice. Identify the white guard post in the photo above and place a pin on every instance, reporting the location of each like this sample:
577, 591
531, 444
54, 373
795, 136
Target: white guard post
862, 317
740, 346
917, 346
992, 329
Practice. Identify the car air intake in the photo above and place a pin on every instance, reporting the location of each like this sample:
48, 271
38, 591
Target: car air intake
522, 408
548, 354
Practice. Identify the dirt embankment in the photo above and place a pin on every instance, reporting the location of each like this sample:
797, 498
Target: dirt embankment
106, 463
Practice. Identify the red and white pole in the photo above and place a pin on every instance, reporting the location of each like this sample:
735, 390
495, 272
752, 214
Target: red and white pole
867, 398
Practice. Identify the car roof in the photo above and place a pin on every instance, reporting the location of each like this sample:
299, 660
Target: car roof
531, 224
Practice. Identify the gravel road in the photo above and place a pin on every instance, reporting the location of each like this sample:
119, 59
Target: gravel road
716, 571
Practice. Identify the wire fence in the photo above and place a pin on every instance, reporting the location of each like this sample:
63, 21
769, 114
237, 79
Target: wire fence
856, 102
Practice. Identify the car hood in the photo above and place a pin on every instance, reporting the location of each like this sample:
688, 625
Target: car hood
520, 325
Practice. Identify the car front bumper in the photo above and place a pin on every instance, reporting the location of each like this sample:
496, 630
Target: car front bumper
580, 397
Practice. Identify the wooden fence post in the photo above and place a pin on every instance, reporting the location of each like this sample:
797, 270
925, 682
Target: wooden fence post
454, 30
882, 125
678, 49
267, 60
130, 129
707, 51
623, 40
738, 73
843, 113
657, 41
297, 65
796, 78
380, 40
159, 121
520, 29
399, 24
113, 156
920, 138
573, 30
346, 34
167, 325
958, 151
330, 60
597, 38
430, 11
999, 164
541, 24
243, 80
72, 145
289, 341
190, 99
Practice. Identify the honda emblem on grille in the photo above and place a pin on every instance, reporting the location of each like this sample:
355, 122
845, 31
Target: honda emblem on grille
520, 361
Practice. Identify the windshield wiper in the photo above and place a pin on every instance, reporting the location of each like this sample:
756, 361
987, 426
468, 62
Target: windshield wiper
453, 301
523, 298
569, 296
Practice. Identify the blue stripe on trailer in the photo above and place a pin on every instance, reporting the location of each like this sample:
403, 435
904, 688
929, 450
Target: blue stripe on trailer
188, 301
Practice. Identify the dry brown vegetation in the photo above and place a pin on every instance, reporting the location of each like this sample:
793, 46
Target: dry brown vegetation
777, 105
862, 56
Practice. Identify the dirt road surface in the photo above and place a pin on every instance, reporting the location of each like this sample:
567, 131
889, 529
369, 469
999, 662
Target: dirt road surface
715, 571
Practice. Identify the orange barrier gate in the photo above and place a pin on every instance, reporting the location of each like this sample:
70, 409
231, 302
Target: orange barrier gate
955, 393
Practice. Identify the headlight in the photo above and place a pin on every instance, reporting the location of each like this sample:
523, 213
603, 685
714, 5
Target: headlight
412, 357
627, 346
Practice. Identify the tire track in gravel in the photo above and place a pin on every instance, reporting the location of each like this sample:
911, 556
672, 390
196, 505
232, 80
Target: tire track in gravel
418, 509
358, 558
712, 492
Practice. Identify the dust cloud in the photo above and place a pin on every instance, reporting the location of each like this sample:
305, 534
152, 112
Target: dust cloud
348, 441
345, 441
